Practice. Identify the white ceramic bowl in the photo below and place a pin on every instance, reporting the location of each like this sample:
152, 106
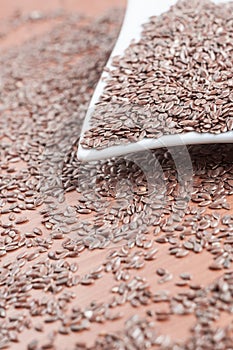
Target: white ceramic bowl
138, 12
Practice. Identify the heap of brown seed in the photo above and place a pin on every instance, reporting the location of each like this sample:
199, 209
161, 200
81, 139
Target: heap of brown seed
57, 214
177, 78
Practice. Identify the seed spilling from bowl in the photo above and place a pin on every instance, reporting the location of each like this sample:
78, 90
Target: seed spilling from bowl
77, 240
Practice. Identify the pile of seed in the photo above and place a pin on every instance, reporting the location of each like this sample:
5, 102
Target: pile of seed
77, 240
177, 78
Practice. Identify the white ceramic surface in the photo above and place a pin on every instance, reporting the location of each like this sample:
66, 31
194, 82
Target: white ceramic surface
137, 13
